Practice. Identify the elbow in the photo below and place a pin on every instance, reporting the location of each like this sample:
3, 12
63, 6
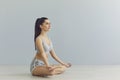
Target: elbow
53, 56
43, 54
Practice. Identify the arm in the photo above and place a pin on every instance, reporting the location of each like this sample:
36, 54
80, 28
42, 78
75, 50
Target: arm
41, 49
52, 52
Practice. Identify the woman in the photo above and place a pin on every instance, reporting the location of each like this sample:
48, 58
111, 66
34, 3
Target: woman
40, 65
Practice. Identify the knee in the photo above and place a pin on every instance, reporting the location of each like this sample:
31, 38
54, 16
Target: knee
33, 74
63, 67
63, 70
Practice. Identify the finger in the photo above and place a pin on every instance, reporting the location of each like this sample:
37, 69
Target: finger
68, 65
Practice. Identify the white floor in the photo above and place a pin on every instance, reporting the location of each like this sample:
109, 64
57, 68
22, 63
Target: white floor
76, 72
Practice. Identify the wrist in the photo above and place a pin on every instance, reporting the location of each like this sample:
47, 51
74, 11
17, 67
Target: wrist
63, 63
47, 66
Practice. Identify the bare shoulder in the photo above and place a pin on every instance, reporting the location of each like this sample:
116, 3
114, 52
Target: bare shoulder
39, 44
38, 39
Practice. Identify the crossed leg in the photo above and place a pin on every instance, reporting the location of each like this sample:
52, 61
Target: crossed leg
43, 71
58, 68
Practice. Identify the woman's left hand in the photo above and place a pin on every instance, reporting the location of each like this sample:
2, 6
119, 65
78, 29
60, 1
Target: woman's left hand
67, 65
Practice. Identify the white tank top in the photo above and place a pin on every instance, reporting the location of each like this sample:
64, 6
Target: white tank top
46, 47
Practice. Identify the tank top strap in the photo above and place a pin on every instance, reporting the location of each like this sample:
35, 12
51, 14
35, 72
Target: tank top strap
51, 44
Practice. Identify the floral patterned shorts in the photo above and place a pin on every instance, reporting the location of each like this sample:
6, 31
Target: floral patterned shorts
35, 62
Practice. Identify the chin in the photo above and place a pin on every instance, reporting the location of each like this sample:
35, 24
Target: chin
49, 29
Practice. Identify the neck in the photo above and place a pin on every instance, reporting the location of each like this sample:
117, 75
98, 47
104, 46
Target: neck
44, 33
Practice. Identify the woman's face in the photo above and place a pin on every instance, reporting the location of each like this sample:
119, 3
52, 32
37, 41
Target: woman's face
46, 25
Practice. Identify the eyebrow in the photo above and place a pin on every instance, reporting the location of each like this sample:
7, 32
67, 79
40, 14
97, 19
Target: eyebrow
48, 22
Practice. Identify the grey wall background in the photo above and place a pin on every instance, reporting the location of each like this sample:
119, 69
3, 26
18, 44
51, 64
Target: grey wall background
83, 31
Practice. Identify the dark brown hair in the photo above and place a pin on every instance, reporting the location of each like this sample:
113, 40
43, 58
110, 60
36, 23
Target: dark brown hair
39, 21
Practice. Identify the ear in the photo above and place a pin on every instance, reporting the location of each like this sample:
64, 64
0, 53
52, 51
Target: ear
40, 26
